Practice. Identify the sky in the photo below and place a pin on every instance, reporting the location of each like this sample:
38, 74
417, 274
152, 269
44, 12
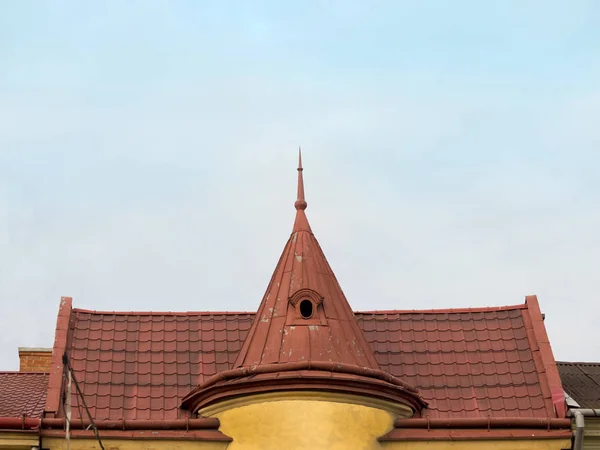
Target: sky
148, 153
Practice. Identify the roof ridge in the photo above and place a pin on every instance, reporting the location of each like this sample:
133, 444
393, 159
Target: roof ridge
373, 311
445, 310
575, 363
18, 372
162, 313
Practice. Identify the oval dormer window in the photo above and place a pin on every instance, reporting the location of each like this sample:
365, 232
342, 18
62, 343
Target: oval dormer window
306, 308
305, 304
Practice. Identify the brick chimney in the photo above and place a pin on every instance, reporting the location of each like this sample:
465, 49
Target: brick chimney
35, 359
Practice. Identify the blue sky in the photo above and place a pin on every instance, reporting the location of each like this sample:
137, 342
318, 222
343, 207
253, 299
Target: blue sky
148, 148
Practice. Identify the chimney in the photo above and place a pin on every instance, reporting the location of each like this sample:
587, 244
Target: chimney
35, 359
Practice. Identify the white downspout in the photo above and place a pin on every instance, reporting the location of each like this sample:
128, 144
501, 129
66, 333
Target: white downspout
579, 429
579, 414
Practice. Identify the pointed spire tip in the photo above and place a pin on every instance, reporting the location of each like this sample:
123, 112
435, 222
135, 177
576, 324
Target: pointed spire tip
300, 202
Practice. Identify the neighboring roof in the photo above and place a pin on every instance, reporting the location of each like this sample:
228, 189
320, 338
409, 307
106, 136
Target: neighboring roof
466, 363
22, 393
304, 328
581, 380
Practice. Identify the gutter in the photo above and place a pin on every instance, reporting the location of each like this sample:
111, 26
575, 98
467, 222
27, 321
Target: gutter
579, 414
478, 428
15, 423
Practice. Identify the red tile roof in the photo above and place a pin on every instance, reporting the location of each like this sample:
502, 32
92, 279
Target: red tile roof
465, 363
140, 366
282, 335
581, 380
22, 393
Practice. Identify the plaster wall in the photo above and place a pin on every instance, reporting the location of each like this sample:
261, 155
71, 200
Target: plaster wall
333, 422
297, 421
304, 424
591, 436
540, 444
133, 444
343, 437
17, 440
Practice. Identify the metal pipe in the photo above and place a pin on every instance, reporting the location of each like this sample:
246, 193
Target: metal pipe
68, 412
579, 429
579, 414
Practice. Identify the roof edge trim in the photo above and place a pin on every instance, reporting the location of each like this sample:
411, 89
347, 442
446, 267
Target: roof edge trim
252, 313
307, 365
445, 310
56, 365
18, 372
550, 367
162, 313
577, 363
190, 401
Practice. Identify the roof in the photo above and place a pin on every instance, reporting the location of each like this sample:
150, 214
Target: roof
489, 362
305, 328
581, 380
22, 393
466, 363
280, 332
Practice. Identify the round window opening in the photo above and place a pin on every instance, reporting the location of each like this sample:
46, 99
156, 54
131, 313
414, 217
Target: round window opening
306, 309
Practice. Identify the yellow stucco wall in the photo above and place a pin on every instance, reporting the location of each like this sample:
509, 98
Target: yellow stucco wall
541, 444
132, 444
591, 437
323, 421
300, 421
17, 441
332, 440
304, 424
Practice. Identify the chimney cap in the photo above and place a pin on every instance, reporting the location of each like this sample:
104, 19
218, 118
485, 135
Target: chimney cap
35, 349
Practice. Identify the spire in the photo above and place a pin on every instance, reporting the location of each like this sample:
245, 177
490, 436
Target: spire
300, 202
301, 222
304, 327
304, 317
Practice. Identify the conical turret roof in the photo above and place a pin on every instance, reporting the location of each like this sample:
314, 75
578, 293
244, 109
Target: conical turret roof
304, 328
304, 315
